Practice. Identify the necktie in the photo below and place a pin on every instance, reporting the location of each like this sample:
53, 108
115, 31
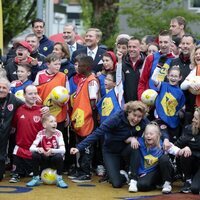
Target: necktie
71, 49
91, 53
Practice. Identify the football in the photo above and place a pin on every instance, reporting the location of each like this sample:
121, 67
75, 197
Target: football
48, 176
149, 96
194, 80
60, 94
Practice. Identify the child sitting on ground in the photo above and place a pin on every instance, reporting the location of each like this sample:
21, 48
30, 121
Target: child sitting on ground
48, 150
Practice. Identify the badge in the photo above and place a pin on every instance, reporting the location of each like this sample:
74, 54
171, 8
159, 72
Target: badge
10, 107
66, 71
137, 128
45, 48
36, 119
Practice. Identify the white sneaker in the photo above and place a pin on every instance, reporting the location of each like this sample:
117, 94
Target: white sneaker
125, 174
133, 186
167, 188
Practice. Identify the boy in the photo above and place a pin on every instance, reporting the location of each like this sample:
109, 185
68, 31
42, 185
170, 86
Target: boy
122, 46
23, 72
45, 81
48, 149
84, 115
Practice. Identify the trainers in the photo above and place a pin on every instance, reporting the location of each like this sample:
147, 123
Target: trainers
186, 187
34, 182
133, 186
124, 173
104, 179
100, 171
15, 178
82, 179
167, 188
61, 183
73, 175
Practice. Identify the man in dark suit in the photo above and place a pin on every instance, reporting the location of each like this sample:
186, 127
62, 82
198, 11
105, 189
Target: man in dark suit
69, 35
92, 38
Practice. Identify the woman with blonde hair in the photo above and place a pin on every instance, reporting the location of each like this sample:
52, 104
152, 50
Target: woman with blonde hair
120, 133
192, 81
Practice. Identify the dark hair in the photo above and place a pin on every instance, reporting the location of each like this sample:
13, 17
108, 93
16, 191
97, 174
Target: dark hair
26, 66
189, 35
135, 38
165, 33
113, 74
37, 20
84, 60
123, 41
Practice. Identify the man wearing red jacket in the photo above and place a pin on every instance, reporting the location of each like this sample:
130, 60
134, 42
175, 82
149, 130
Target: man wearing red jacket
163, 58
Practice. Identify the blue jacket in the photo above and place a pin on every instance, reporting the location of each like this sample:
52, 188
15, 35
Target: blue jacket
46, 46
115, 130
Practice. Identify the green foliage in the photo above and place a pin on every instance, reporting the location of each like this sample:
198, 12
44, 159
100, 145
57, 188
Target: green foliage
150, 17
17, 16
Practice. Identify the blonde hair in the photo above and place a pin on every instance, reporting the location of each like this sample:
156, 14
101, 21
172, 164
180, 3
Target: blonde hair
133, 106
192, 55
5, 81
97, 31
156, 126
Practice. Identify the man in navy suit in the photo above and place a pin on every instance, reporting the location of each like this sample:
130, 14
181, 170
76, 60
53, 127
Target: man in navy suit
92, 38
69, 35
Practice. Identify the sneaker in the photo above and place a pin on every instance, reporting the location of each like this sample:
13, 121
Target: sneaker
74, 174
61, 183
167, 188
186, 187
104, 179
100, 171
15, 178
82, 179
124, 173
34, 182
133, 186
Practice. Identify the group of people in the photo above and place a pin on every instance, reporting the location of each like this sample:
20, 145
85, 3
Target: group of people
104, 118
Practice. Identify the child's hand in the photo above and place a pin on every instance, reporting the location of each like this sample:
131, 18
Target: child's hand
40, 150
73, 151
48, 152
119, 56
166, 144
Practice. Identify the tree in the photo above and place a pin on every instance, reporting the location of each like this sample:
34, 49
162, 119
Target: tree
17, 16
150, 17
102, 14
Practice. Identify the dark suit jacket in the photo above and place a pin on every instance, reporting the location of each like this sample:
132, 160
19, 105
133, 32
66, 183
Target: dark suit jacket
96, 67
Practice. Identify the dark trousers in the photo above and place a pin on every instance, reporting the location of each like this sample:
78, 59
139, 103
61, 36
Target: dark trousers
191, 170
162, 173
85, 160
22, 166
41, 162
113, 165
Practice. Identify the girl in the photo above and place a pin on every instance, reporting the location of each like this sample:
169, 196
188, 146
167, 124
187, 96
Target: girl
109, 65
47, 150
151, 165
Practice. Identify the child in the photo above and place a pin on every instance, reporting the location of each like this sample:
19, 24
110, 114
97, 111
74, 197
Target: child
23, 72
151, 165
169, 101
45, 81
48, 149
84, 115
122, 46
109, 65
112, 101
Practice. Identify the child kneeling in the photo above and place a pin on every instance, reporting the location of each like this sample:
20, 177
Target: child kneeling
48, 150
